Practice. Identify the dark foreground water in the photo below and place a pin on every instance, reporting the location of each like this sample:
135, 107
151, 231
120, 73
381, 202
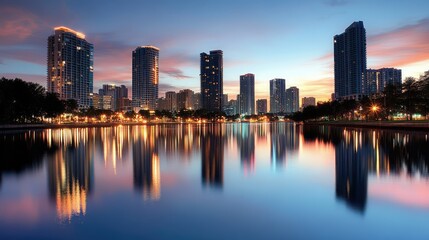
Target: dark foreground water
221, 181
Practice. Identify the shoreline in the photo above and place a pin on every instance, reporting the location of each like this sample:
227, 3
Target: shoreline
393, 125
13, 127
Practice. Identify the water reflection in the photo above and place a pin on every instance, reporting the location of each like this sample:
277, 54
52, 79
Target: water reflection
362, 153
362, 158
22, 151
246, 144
71, 171
351, 169
146, 165
114, 143
212, 154
284, 139
179, 140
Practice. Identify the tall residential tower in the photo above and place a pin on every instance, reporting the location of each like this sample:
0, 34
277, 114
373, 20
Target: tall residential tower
70, 66
292, 100
145, 77
211, 77
350, 63
277, 95
247, 94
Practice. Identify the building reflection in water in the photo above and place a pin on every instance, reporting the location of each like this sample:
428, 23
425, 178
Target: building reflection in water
114, 145
212, 154
284, 139
246, 143
23, 151
71, 171
351, 169
359, 153
178, 141
146, 164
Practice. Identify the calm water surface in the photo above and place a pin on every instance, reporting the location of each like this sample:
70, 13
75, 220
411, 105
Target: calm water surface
214, 181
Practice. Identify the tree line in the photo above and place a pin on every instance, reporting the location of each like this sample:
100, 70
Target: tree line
26, 102
408, 99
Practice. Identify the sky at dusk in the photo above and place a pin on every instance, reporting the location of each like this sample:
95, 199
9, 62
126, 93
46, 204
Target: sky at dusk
272, 39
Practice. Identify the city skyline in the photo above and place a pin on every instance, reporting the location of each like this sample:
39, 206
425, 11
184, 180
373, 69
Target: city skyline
275, 47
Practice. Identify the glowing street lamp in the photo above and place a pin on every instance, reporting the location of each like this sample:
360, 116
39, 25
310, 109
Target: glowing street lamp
374, 108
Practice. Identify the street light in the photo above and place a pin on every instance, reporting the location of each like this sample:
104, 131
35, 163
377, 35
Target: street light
374, 109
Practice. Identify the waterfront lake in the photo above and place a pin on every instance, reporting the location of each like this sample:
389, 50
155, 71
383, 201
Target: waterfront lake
214, 181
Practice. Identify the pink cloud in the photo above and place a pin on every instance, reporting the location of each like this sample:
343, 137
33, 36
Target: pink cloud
402, 46
113, 61
171, 65
16, 25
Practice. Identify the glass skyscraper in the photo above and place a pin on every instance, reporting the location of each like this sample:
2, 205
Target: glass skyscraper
145, 77
350, 63
211, 77
247, 94
277, 95
70, 66
292, 100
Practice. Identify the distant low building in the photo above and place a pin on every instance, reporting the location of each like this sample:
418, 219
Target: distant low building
308, 101
378, 79
261, 106
117, 94
184, 99
231, 108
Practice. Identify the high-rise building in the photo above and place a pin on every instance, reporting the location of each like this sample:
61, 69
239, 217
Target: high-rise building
350, 63
162, 104
211, 76
224, 100
238, 105
184, 99
261, 106
171, 98
308, 101
197, 101
378, 79
292, 100
70, 66
231, 108
247, 94
277, 95
145, 77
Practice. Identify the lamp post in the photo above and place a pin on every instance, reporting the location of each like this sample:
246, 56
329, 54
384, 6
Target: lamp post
374, 109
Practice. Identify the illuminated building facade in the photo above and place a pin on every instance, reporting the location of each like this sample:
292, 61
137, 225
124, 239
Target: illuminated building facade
211, 77
184, 99
145, 77
70, 66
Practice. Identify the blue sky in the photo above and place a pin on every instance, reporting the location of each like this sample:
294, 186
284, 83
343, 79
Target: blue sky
272, 39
